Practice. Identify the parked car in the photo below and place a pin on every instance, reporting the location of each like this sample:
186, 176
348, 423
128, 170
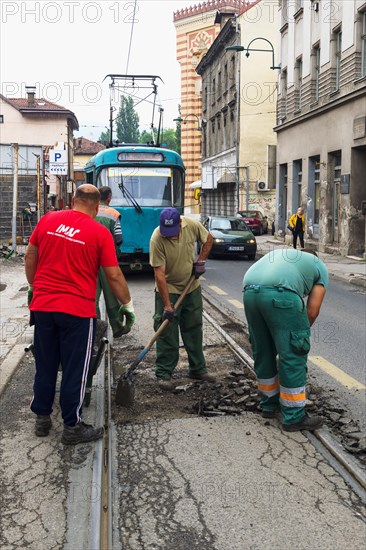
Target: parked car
255, 221
231, 236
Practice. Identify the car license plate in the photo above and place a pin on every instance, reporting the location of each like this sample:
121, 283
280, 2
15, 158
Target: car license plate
236, 248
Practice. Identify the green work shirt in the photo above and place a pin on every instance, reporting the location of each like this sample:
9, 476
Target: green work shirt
178, 254
288, 268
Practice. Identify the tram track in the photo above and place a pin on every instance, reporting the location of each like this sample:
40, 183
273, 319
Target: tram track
322, 439
101, 518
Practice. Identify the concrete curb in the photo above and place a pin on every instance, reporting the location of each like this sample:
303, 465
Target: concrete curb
10, 364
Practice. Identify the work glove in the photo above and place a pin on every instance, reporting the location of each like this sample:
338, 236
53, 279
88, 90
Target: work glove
198, 269
126, 314
167, 314
29, 295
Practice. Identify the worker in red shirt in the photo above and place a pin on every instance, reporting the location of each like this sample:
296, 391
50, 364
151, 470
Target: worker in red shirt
62, 261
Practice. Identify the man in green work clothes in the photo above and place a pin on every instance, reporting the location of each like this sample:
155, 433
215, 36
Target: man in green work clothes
110, 218
172, 255
279, 324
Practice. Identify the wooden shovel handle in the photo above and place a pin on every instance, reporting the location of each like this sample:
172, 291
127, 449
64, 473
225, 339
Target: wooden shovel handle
166, 322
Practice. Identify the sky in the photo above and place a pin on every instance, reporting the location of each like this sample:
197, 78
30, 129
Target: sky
66, 48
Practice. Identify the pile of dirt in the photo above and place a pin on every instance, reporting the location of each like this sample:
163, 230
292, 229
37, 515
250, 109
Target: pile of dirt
233, 383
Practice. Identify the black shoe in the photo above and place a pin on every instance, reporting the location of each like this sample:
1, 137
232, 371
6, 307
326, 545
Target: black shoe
43, 425
81, 433
166, 384
269, 414
204, 376
307, 422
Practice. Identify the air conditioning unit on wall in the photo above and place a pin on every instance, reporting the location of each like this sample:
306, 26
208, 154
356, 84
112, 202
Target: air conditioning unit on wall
262, 185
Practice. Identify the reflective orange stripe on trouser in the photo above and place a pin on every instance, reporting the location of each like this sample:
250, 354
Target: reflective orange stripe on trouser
269, 386
292, 397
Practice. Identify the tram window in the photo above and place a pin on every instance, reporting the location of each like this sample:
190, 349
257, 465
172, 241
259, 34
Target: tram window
89, 177
147, 189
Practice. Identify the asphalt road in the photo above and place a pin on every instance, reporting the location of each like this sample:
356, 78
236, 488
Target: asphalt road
338, 343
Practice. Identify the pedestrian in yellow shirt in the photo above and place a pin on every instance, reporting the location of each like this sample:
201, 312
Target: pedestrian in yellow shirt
297, 224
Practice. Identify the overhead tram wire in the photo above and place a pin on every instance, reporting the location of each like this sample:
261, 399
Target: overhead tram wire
131, 35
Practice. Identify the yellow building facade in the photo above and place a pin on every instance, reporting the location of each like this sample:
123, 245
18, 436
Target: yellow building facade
196, 29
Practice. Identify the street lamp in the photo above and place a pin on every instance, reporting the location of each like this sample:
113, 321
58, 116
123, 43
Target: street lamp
237, 48
200, 121
249, 49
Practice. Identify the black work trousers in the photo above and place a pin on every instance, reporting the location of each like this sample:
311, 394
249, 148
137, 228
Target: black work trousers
60, 338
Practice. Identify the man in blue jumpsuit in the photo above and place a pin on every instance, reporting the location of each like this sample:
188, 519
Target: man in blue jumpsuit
279, 325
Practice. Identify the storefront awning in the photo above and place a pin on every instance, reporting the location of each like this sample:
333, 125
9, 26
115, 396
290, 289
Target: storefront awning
228, 177
195, 185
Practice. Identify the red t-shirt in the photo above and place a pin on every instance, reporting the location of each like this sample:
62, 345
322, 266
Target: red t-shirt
71, 248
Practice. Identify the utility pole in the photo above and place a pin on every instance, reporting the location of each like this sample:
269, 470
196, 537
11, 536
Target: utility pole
38, 187
15, 196
237, 122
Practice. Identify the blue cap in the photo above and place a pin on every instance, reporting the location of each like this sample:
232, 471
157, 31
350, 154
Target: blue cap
169, 222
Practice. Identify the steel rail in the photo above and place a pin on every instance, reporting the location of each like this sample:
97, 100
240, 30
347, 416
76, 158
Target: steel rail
100, 530
106, 542
346, 466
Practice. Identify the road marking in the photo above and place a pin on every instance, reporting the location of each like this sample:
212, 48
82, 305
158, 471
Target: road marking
236, 303
336, 373
218, 290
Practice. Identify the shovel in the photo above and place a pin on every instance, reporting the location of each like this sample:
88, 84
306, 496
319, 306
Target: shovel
125, 388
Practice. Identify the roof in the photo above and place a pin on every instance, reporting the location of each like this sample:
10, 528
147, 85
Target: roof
41, 107
223, 5
84, 146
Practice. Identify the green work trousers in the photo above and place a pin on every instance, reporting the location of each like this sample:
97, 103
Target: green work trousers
279, 326
188, 318
111, 303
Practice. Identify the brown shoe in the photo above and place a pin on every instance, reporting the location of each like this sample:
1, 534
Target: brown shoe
204, 376
165, 384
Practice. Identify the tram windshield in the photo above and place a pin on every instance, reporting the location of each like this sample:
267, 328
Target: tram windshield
143, 186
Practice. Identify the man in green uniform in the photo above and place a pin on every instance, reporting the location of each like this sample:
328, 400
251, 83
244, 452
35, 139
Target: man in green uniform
110, 218
172, 255
279, 324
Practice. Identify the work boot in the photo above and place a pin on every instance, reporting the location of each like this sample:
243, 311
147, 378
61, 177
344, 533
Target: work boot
165, 384
269, 414
307, 422
43, 425
81, 433
204, 376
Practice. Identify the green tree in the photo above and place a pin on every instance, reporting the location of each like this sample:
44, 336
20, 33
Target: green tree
127, 122
146, 137
169, 138
104, 137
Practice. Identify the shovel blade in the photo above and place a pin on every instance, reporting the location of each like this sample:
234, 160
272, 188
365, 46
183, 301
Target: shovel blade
125, 393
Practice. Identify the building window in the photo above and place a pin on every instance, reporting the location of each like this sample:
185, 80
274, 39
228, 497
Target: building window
317, 190
1, 119
337, 187
298, 76
297, 184
363, 45
338, 58
316, 71
213, 91
232, 71
226, 80
284, 92
219, 84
